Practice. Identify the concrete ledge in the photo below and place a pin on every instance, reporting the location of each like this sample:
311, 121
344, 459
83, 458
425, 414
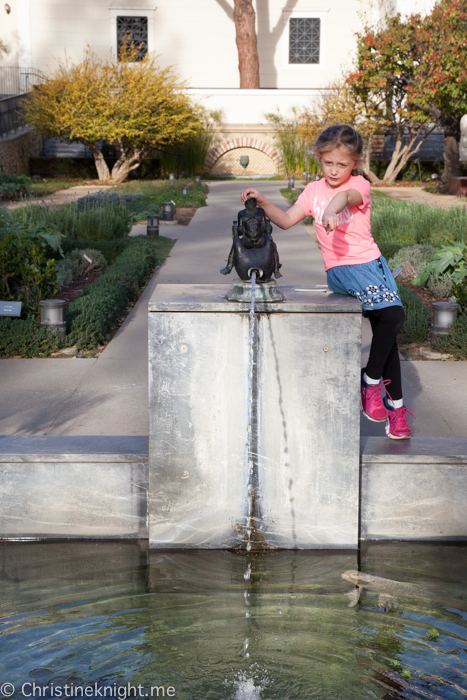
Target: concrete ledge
413, 490
78, 487
213, 297
97, 487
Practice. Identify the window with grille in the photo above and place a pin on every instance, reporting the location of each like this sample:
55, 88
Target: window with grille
304, 40
134, 30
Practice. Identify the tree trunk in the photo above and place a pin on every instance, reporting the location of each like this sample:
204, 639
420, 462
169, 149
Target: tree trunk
365, 166
248, 60
452, 166
125, 164
402, 154
103, 172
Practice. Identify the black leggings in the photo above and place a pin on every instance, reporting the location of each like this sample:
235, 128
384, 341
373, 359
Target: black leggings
384, 355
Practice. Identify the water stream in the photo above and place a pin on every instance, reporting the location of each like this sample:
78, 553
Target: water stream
251, 446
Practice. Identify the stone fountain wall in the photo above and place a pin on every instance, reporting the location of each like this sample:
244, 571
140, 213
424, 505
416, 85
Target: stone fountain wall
308, 419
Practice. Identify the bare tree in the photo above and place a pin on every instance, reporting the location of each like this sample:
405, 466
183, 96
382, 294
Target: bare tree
245, 30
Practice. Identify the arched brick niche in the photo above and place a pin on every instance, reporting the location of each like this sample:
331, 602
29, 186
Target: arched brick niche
224, 159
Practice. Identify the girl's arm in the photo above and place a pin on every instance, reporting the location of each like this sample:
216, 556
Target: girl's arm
283, 219
336, 205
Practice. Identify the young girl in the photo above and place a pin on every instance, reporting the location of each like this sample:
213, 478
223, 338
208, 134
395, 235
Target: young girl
340, 204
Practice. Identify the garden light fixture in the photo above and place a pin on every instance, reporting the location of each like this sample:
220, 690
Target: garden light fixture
444, 315
52, 311
153, 225
291, 183
168, 210
197, 178
307, 178
172, 176
185, 190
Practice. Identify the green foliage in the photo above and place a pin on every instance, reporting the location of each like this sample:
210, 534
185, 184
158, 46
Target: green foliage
94, 223
67, 270
46, 186
406, 674
95, 312
407, 224
120, 100
75, 264
26, 338
441, 285
156, 192
189, 156
13, 186
417, 255
292, 144
414, 70
388, 250
455, 342
109, 249
459, 291
432, 634
27, 272
415, 326
448, 259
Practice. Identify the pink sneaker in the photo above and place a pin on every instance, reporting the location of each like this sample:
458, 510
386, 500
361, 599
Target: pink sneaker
397, 427
372, 402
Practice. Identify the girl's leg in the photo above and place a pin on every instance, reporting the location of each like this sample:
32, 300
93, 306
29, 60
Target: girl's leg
384, 355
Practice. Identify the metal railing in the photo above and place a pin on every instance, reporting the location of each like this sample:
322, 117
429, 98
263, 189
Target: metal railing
17, 81
12, 115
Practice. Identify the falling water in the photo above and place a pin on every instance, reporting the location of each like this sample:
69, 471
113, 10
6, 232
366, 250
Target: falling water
251, 437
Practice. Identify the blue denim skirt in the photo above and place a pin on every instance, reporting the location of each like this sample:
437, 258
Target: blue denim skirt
372, 283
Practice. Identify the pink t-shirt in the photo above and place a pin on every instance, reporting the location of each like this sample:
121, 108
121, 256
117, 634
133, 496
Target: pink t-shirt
351, 243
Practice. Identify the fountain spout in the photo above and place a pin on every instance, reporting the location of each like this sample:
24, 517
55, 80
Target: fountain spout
253, 250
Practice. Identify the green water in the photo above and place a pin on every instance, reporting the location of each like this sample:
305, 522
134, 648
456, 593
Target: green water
108, 614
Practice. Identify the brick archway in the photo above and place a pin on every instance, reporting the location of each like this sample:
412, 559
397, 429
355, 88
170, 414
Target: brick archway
243, 142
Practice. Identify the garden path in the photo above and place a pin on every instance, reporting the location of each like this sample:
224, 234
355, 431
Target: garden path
62, 197
108, 395
414, 194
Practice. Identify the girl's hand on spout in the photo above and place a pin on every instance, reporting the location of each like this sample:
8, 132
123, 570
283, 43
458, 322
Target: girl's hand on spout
283, 219
251, 193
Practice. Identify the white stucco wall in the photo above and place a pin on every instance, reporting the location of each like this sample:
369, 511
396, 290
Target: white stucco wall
197, 38
9, 34
251, 106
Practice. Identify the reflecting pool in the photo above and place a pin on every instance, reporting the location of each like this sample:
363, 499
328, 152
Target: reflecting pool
114, 619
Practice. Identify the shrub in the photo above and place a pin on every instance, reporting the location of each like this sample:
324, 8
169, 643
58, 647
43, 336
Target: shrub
450, 259
109, 249
104, 223
440, 286
455, 342
67, 270
75, 264
415, 326
417, 255
26, 338
12, 186
27, 273
95, 312
459, 291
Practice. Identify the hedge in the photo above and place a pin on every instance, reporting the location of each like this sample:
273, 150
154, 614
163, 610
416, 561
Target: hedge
26, 338
91, 316
96, 311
